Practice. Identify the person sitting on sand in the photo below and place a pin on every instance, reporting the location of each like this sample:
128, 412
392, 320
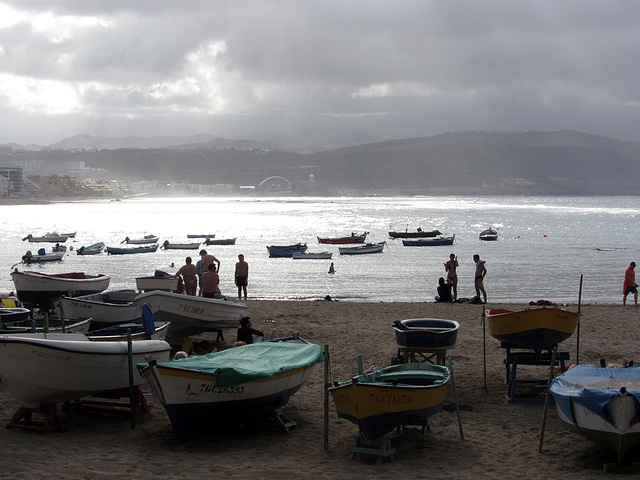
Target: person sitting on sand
444, 292
249, 335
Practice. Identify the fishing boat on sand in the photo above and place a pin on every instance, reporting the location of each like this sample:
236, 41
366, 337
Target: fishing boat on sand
419, 233
535, 328
160, 281
429, 242
362, 249
35, 288
426, 332
353, 238
45, 325
104, 309
383, 399
602, 404
205, 393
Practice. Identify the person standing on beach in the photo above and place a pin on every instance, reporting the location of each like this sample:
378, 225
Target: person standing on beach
189, 274
242, 276
630, 285
481, 271
452, 276
331, 269
208, 259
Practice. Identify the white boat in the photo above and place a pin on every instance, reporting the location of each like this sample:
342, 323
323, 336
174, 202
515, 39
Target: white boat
50, 325
105, 309
191, 315
313, 255
93, 249
167, 245
167, 282
42, 256
361, 249
52, 237
141, 241
54, 370
202, 394
35, 288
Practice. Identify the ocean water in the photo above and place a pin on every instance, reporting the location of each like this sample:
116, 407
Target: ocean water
546, 245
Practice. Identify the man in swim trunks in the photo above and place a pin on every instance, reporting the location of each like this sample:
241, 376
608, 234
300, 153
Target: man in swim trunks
630, 285
189, 274
452, 276
242, 276
481, 271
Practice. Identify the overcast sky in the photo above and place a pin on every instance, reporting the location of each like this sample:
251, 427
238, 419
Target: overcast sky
403, 67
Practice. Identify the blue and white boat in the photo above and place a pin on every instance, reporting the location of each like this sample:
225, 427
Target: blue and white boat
286, 250
129, 250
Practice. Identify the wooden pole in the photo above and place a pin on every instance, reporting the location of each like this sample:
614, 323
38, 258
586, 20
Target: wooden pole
455, 397
327, 384
484, 349
132, 393
578, 332
546, 397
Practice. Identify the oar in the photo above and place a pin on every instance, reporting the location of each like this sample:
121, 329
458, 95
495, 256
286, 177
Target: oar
546, 397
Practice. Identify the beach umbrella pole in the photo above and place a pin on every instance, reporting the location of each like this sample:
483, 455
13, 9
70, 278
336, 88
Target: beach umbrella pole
546, 397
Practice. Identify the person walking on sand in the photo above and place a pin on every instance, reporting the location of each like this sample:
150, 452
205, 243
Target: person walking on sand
189, 274
481, 272
242, 276
452, 276
630, 285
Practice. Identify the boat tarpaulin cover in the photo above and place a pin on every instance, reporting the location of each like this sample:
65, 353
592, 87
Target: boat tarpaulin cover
594, 387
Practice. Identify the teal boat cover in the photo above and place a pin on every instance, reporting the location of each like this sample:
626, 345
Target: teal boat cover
594, 387
250, 362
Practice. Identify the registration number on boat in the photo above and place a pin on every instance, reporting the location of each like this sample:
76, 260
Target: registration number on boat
223, 390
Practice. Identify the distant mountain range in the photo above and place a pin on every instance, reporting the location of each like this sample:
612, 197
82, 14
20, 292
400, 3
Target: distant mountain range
554, 163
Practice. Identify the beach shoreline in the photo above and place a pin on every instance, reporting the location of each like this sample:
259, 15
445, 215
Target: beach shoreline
500, 437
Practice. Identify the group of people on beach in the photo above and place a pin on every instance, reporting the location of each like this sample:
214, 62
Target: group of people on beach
445, 287
204, 274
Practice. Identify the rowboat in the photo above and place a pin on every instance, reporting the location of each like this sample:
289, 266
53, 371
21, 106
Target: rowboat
93, 249
157, 282
312, 255
353, 238
14, 314
128, 250
180, 246
286, 250
52, 237
35, 288
202, 394
140, 241
105, 309
384, 399
602, 404
489, 235
535, 328
190, 315
53, 370
360, 249
417, 234
48, 325
42, 256
220, 241
426, 332
429, 242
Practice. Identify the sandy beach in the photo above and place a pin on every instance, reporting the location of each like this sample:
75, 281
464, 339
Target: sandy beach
500, 438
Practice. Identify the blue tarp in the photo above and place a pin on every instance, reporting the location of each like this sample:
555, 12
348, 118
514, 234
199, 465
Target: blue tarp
259, 360
594, 387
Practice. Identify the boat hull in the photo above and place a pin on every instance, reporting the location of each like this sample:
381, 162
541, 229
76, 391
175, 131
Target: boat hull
105, 309
46, 257
191, 315
35, 288
146, 284
313, 256
131, 250
42, 370
377, 408
344, 240
221, 241
426, 333
287, 250
429, 242
362, 249
181, 246
537, 328
94, 249
589, 402
420, 234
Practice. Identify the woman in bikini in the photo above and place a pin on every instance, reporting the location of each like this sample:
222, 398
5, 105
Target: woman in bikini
452, 276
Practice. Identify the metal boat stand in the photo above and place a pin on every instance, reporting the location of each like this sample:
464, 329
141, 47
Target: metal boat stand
282, 420
435, 356
526, 357
52, 421
380, 448
107, 401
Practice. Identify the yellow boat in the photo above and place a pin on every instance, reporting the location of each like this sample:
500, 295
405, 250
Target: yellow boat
535, 328
381, 400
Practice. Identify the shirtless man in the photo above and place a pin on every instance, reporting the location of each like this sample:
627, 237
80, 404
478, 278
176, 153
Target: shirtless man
207, 260
452, 276
210, 283
481, 271
242, 276
189, 274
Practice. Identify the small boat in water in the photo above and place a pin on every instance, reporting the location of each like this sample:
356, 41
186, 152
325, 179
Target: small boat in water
220, 241
489, 235
200, 235
180, 246
35, 288
42, 256
535, 328
362, 249
602, 404
286, 250
353, 238
429, 242
417, 234
52, 237
379, 401
93, 249
141, 241
312, 255
426, 332
205, 393
131, 250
